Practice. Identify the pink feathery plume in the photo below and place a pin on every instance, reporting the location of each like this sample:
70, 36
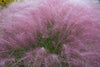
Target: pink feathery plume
50, 33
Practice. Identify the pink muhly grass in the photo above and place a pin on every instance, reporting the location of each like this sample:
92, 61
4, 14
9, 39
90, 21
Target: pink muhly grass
50, 33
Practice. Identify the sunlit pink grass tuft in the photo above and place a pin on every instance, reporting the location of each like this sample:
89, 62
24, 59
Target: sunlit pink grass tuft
71, 27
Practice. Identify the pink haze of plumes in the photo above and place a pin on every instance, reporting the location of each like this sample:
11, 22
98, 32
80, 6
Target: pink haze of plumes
50, 33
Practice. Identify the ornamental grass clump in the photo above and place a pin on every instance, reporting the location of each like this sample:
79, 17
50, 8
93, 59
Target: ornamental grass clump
50, 33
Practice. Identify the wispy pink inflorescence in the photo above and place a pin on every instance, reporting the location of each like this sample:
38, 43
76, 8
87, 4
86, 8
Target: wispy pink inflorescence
50, 33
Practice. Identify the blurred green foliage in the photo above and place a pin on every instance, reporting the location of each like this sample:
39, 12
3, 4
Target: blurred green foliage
3, 3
